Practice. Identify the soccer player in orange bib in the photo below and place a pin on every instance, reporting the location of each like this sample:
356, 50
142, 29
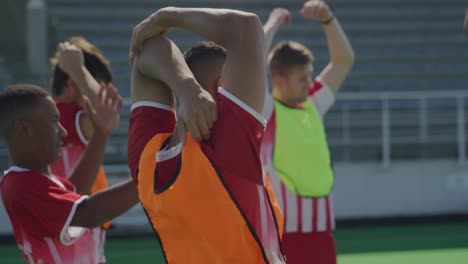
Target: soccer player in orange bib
295, 152
204, 192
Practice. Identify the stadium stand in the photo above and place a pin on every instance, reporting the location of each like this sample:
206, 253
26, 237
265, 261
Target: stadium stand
408, 56
5, 80
412, 45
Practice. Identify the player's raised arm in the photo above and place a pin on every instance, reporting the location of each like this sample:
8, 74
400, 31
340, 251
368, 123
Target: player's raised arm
341, 52
71, 60
109, 203
103, 117
160, 67
278, 17
239, 32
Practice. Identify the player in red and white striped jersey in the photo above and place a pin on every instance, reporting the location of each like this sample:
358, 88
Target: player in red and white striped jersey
51, 216
78, 66
309, 221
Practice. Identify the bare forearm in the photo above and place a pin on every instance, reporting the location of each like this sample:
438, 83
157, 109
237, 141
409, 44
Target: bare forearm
270, 28
85, 172
162, 60
342, 57
218, 25
340, 49
85, 82
106, 205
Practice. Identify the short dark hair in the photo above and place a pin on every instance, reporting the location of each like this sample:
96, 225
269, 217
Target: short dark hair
95, 62
287, 54
201, 53
16, 99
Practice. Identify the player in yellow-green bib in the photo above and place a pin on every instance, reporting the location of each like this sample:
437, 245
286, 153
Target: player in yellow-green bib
295, 151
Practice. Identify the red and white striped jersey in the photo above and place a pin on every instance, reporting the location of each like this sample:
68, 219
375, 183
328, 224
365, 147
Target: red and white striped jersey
73, 147
301, 215
41, 208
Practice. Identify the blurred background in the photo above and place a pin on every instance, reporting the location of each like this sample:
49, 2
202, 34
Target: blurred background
398, 131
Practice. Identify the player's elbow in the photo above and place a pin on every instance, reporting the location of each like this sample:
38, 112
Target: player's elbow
345, 58
244, 23
344, 62
246, 31
147, 62
252, 21
350, 57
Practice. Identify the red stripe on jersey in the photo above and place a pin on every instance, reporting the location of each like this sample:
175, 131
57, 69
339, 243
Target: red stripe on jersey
315, 87
328, 208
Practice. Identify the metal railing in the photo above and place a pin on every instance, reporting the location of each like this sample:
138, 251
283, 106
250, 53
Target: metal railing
347, 102
345, 119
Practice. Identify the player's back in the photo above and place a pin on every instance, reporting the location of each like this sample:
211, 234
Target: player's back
226, 168
234, 148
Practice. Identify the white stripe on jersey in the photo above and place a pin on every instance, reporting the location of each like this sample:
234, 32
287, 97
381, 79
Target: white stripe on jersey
290, 208
53, 250
292, 211
307, 215
321, 215
322, 99
276, 185
66, 162
263, 214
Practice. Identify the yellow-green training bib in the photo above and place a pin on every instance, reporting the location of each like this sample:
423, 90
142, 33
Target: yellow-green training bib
301, 156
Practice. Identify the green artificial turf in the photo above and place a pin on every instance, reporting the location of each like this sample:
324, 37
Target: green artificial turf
445, 243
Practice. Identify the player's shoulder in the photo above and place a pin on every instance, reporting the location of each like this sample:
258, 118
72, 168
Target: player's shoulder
67, 109
18, 180
316, 86
227, 100
17, 174
67, 183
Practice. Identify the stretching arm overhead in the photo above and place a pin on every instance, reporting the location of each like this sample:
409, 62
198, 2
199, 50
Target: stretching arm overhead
103, 117
160, 71
71, 61
239, 32
341, 52
277, 18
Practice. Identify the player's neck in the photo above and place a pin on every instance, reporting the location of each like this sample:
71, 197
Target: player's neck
33, 167
65, 98
28, 162
277, 95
